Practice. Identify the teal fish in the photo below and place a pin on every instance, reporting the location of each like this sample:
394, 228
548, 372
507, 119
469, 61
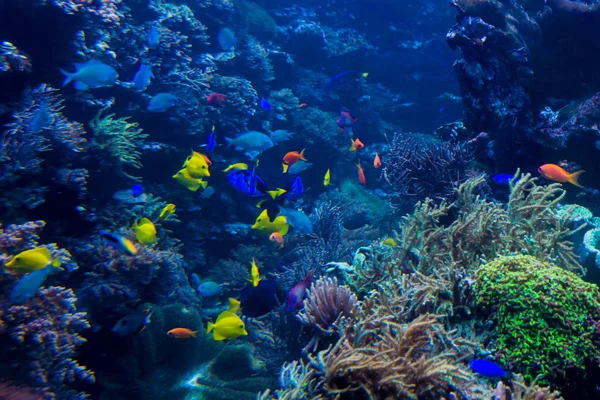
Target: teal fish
90, 74
29, 285
252, 143
280, 135
298, 167
162, 102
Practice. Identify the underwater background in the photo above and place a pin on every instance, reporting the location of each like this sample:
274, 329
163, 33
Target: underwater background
350, 199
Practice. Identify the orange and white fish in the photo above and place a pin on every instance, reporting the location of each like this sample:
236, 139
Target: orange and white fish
277, 239
557, 174
182, 333
377, 161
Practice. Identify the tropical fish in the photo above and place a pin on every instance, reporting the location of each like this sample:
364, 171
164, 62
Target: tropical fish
132, 323
252, 143
296, 294
30, 284
260, 300
389, 242
234, 305
247, 182
345, 121
216, 99
294, 190
488, 369
167, 210
161, 102
211, 141
298, 167
196, 165
182, 333
41, 119
267, 227
226, 39
136, 190
280, 135
290, 158
227, 326
153, 38
209, 289
376, 161
302, 105
504, 179
145, 231
141, 80
356, 145
237, 166
90, 74
361, 175
119, 243
32, 260
298, 220
327, 178
557, 174
264, 104
127, 196
193, 184
277, 239
345, 74
254, 275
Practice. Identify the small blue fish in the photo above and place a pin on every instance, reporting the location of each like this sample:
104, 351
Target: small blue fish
209, 289
162, 102
503, 179
298, 167
246, 182
41, 119
132, 323
153, 37
252, 143
226, 39
90, 74
264, 104
488, 369
29, 285
295, 189
280, 135
137, 190
211, 142
141, 80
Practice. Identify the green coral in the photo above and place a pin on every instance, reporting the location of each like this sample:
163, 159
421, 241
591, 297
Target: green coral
119, 139
544, 315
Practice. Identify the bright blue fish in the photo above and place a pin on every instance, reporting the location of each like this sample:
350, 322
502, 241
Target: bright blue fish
137, 190
246, 182
91, 74
153, 37
503, 179
29, 285
487, 369
211, 142
162, 102
264, 104
141, 80
295, 190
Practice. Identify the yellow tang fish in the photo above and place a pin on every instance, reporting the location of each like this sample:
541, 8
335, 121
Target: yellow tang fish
234, 305
193, 184
227, 326
196, 165
32, 260
390, 243
168, 210
327, 178
145, 231
264, 225
237, 166
254, 275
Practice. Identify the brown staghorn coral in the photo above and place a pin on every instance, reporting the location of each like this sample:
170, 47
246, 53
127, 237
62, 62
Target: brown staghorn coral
520, 391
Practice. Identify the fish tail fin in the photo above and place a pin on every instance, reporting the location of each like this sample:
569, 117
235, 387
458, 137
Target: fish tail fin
228, 141
209, 327
68, 76
364, 74
285, 167
56, 264
302, 155
193, 334
574, 178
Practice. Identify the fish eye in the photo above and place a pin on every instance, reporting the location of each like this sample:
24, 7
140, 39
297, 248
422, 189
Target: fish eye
241, 326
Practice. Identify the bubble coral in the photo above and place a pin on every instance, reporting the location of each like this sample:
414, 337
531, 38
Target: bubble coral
544, 316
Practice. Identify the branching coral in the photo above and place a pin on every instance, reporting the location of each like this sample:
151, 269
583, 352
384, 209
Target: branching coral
118, 141
544, 315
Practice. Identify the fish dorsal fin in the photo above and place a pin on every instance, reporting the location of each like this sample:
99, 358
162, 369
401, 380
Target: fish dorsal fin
225, 314
79, 66
144, 221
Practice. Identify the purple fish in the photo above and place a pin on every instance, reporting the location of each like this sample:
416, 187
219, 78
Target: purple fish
295, 296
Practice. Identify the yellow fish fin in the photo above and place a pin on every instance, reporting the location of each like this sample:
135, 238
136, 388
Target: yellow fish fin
210, 327
285, 167
234, 305
56, 264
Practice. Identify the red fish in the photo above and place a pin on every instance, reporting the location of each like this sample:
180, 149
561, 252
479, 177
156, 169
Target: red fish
292, 157
216, 99
377, 161
345, 121
182, 333
356, 145
557, 174
361, 175
297, 293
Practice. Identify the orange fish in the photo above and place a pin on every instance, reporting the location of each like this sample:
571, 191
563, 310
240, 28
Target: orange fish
277, 239
361, 175
356, 145
301, 105
292, 157
557, 174
182, 333
377, 161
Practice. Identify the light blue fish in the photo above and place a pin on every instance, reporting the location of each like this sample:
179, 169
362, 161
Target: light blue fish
209, 289
298, 167
141, 80
29, 285
298, 220
227, 39
41, 119
162, 102
90, 74
252, 143
153, 38
280, 135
